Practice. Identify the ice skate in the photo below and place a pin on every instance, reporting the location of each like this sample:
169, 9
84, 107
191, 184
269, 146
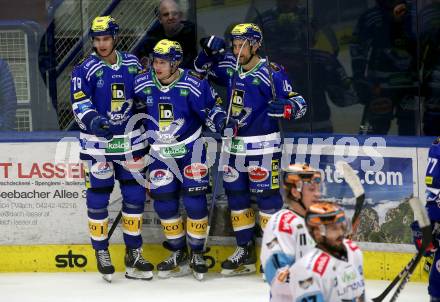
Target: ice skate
242, 261
105, 266
136, 267
175, 265
198, 265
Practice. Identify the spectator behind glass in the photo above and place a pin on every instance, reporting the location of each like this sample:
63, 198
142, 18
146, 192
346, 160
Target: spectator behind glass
8, 98
384, 62
286, 30
170, 25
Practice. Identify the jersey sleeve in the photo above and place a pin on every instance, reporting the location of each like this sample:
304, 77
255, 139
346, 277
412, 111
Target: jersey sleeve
203, 100
284, 89
432, 180
80, 94
279, 245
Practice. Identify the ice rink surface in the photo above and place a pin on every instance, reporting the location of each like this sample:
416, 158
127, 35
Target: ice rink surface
82, 287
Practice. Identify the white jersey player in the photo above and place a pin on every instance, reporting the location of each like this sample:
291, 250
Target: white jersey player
333, 270
286, 238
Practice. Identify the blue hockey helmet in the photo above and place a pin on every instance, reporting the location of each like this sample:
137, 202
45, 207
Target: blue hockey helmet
247, 31
168, 50
104, 26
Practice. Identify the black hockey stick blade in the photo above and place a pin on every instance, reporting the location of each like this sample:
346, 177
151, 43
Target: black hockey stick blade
352, 179
115, 223
422, 217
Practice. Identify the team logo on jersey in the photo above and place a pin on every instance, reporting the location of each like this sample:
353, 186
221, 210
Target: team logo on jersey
161, 177
257, 174
321, 263
237, 102
166, 115
195, 171
229, 174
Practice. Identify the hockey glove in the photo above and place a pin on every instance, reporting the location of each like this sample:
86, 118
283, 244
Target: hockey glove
213, 45
417, 239
281, 108
100, 126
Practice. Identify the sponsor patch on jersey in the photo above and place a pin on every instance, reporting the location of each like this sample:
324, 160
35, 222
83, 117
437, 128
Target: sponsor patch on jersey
84, 107
237, 102
161, 177
99, 73
195, 171
133, 69
428, 180
147, 90
237, 146
306, 283
256, 81
78, 95
258, 174
174, 151
166, 115
184, 92
230, 174
118, 145
285, 220
102, 170
100, 83
321, 263
275, 176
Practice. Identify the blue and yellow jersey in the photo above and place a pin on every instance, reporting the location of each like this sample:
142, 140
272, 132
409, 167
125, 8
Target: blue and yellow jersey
251, 92
98, 88
176, 112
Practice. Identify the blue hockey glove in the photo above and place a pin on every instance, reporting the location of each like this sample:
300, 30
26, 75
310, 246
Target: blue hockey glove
276, 261
417, 239
213, 45
281, 108
100, 126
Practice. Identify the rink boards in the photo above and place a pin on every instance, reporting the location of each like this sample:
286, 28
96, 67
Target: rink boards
81, 258
43, 222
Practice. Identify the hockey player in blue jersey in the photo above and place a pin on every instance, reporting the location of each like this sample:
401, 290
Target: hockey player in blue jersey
102, 101
178, 102
433, 208
255, 153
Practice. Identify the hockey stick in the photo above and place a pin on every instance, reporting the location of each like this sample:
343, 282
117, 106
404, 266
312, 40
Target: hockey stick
115, 223
352, 179
422, 217
221, 159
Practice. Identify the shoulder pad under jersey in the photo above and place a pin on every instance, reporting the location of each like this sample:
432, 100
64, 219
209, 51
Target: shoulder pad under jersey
275, 67
195, 74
